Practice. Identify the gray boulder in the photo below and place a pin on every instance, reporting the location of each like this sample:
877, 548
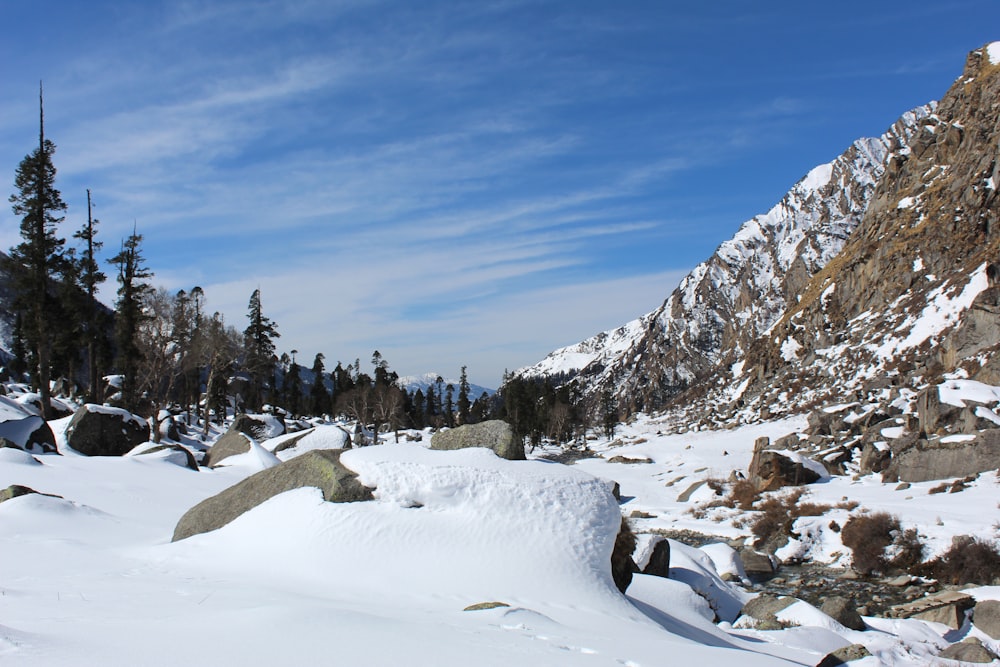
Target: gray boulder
96, 430
947, 607
320, 468
230, 444
659, 560
16, 491
32, 434
494, 434
844, 655
924, 460
764, 609
843, 611
189, 459
986, 617
969, 650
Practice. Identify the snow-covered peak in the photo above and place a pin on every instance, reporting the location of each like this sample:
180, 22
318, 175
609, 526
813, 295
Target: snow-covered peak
993, 53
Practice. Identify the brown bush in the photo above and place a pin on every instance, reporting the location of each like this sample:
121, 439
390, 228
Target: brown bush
969, 560
868, 536
744, 494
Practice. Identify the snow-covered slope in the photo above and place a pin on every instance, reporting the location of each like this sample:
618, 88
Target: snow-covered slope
739, 292
413, 382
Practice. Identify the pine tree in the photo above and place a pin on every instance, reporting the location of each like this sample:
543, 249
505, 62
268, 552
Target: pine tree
464, 404
293, 387
132, 292
259, 344
319, 398
90, 277
38, 259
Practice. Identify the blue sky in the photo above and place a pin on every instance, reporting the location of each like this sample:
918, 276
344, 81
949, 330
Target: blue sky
452, 183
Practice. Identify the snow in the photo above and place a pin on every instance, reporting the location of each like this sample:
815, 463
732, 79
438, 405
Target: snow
957, 392
385, 582
993, 52
906, 202
790, 349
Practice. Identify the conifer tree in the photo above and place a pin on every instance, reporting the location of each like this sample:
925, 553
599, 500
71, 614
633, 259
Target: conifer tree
38, 259
293, 387
319, 398
90, 276
259, 346
464, 404
132, 292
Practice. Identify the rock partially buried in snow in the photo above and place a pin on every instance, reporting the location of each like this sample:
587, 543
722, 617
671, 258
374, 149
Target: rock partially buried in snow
237, 439
494, 434
320, 468
32, 434
98, 430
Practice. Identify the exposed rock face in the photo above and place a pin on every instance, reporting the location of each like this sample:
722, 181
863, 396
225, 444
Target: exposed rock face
96, 430
944, 458
319, 468
877, 272
739, 292
494, 434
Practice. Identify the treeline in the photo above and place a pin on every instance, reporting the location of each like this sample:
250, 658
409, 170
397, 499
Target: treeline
163, 352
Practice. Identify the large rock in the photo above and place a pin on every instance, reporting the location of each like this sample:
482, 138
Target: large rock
844, 655
659, 560
764, 610
844, 611
495, 434
230, 444
944, 458
773, 470
947, 607
622, 565
319, 468
32, 434
969, 650
986, 617
97, 430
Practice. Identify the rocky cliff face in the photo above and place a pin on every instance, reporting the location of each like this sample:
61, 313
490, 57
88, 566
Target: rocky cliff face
875, 271
739, 292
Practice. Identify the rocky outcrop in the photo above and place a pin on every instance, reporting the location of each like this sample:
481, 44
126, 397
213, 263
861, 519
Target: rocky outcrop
318, 468
943, 458
494, 434
96, 430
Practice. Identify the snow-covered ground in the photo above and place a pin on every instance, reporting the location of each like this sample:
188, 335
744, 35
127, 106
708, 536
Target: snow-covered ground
92, 577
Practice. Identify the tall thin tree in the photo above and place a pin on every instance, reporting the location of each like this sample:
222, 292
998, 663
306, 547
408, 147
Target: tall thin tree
39, 257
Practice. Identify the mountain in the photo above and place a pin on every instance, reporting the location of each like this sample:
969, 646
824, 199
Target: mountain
413, 382
837, 283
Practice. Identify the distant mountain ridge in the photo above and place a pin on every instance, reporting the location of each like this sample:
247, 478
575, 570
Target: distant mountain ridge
874, 270
413, 382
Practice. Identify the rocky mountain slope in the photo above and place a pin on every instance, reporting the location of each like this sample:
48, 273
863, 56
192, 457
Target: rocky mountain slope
873, 265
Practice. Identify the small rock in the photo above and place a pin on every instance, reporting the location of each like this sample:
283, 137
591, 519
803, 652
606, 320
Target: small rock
969, 650
844, 655
843, 611
480, 606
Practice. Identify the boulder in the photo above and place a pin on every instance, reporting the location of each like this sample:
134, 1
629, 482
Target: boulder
622, 565
947, 607
986, 617
97, 430
775, 470
230, 444
969, 650
494, 434
764, 609
756, 564
844, 611
932, 414
944, 458
318, 468
32, 434
824, 423
659, 560
189, 459
16, 490
844, 655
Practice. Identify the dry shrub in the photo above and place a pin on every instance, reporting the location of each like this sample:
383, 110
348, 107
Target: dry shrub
744, 494
969, 560
776, 516
873, 537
